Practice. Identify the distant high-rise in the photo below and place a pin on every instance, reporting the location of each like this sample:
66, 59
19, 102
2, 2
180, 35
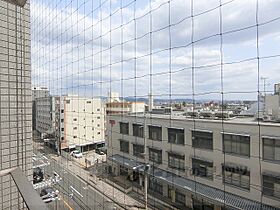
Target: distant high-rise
15, 99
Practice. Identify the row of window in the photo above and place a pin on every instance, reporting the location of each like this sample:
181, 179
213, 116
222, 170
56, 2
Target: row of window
235, 144
270, 187
235, 175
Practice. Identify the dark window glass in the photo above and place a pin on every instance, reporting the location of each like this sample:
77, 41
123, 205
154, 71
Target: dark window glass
155, 133
155, 186
202, 205
202, 140
138, 150
138, 130
176, 136
124, 128
271, 149
236, 176
202, 168
176, 161
124, 146
236, 144
155, 155
271, 186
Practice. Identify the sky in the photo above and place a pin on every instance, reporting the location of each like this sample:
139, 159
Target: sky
90, 47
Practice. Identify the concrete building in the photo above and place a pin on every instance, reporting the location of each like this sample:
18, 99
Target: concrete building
197, 163
37, 92
272, 105
82, 123
48, 119
15, 102
125, 107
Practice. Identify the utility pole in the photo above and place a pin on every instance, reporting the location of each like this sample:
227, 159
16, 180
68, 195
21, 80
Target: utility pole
264, 84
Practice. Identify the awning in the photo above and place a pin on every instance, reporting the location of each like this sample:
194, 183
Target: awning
130, 163
212, 194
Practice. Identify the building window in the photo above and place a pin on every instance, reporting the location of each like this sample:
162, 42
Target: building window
124, 146
155, 155
98, 118
202, 205
74, 128
236, 175
62, 129
176, 196
74, 137
88, 102
176, 136
124, 128
62, 110
155, 133
62, 120
271, 149
62, 138
155, 186
236, 144
75, 119
202, 168
202, 140
138, 130
98, 110
271, 185
67, 101
138, 150
176, 161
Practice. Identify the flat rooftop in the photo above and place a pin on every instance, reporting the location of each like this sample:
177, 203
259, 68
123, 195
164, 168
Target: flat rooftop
233, 120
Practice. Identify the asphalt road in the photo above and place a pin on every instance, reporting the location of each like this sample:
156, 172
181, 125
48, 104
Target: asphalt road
75, 193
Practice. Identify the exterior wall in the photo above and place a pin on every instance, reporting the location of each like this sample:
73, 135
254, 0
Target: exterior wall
254, 164
43, 114
272, 106
37, 92
15, 100
82, 121
137, 107
125, 107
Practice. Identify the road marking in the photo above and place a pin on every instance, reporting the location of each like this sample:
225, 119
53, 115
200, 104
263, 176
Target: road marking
67, 204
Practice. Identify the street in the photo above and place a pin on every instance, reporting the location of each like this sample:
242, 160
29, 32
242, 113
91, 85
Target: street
75, 193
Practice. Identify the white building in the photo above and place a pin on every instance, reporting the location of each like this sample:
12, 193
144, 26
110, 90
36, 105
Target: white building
82, 122
198, 163
125, 107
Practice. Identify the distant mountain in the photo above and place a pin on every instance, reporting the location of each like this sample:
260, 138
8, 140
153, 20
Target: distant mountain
178, 100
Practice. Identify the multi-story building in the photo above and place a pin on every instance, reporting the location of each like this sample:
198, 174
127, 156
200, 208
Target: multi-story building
115, 105
48, 119
37, 92
198, 163
82, 122
15, 105
124, 107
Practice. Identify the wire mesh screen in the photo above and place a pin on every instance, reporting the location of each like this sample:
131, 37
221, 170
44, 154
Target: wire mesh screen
159, 104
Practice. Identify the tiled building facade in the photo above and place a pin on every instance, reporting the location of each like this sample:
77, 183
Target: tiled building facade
15, 99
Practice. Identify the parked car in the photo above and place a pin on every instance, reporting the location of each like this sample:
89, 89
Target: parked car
76, 154
98, 151
38, 175
49, 194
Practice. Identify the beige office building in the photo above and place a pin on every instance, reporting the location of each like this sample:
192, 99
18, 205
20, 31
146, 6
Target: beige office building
82, 122
198, 163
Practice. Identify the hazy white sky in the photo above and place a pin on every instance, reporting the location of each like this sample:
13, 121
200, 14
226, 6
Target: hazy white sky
71, 47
